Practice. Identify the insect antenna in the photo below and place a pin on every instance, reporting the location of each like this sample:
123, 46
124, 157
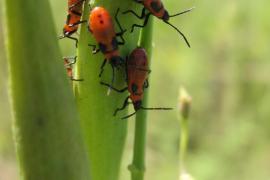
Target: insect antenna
178, 32
160, 108
183, 12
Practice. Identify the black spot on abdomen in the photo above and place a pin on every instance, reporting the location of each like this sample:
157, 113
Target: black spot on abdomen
156, 6
114, 43
102, 48
76, 13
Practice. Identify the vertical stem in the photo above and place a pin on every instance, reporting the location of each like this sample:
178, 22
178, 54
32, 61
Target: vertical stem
46, 128
183, 142
137, 168
5, 130
104, 133
184, 110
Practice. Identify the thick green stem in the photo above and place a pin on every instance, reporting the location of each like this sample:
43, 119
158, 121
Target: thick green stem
104, 133
46, 127
137, 168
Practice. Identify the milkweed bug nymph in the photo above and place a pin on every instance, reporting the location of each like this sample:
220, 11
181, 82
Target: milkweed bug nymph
137, 73
69, 62
73, 19
156, 8
102, 28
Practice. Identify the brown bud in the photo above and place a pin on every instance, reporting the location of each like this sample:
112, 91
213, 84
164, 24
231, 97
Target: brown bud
184, 103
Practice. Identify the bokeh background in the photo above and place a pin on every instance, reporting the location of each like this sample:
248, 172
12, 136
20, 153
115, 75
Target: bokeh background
227, 73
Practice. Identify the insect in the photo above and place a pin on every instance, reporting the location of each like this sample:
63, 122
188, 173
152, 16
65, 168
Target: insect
101, 26
155, 8
69, 62
137, 80
73, 19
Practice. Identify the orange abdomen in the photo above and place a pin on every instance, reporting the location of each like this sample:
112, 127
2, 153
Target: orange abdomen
137, 69
155, 7
102, 28
73, 17
68, 68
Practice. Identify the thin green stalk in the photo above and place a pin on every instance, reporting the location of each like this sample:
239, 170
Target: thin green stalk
104, 133
184, 109
46, 128
137, 168
184, 133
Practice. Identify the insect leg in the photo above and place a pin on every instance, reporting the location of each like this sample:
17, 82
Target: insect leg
123, 40
95, 50
77, 23
113, 76
102, 67
144, 23
142, 16
74, 39
117, 21
123, 107
71, 60
128, 116
113, 88
120, 34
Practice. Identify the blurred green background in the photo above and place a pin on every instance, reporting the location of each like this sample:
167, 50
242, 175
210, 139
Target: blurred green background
226, 72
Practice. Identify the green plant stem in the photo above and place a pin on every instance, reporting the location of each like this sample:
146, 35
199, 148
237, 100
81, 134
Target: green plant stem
137, 168
46, 128
183, 142
104, 133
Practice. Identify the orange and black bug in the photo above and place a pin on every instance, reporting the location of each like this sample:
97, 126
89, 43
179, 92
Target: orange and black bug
155, 8
69, 62
102, 28
137, 73
73, 19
